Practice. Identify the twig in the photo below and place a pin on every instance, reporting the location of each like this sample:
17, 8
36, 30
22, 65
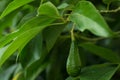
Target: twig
109, 11
56, 24
91, 39
72, 33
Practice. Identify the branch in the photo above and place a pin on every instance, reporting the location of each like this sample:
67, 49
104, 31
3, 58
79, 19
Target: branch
109, 11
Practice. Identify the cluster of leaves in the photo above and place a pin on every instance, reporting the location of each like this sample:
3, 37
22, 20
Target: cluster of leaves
50, 39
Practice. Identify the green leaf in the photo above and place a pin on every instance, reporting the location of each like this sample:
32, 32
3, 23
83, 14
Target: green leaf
8, 21
63, 5
109, 1
6, 39
48, 9
3, 3
37, 21
35, 69
7, 73
26, 33
34, 22
14, 5
31, 72
51, 34
86, 17
19, 41
98, 72
27, 17
102, 52
33, 53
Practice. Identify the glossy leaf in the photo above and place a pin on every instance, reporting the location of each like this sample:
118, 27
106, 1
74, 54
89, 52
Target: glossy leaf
37, 21
23, 37
6, 74
51, 34
33, 54
98, 72
34, 22
14, 5
8, 21
35, 36
26, 18
63, 5
35, 69
19, 41
86, 17
3, 4
48, 9
6, 39
102, 52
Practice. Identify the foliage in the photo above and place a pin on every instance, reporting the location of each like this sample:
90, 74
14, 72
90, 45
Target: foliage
59, 39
